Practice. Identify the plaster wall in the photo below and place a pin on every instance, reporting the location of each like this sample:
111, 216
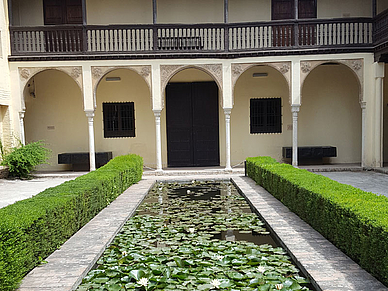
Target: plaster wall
249, 10
56, 116
344, 8
243, 143
195, 75
188, 11
131, 88
27, 12
330, 114
119, 12
385, 112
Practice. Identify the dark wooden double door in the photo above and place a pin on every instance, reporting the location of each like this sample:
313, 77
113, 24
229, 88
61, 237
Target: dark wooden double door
192, 124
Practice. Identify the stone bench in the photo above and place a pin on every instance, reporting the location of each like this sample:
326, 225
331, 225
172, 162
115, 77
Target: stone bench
311, 152
80, 160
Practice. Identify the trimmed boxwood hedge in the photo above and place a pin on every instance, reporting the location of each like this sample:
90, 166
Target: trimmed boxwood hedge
32, 229
354, 220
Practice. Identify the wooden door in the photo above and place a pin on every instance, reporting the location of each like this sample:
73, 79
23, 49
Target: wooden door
192, 124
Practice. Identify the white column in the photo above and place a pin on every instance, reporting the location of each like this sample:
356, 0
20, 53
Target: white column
158, 140
363, 133
92, 152
227, 112
295, 109
379, 75
22, 132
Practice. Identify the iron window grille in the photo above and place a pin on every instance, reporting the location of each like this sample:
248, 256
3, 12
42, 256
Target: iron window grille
266, 115
119, 119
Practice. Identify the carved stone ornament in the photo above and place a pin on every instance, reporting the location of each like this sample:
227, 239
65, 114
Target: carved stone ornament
76, 72
96, 72
236, 69
167, 71
305, 67
357, 65
284, 68
25, 73
145, 71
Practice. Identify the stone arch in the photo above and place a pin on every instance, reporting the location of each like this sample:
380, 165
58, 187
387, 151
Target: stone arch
98, 72
168, 71
26, 74
354, 65
282, 67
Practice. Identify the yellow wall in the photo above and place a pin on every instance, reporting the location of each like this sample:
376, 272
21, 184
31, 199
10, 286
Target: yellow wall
249, 10
131, 88
119, 11
344, 8
56, 115
330, 114
385, 109
195, 75
244, 144
189, 11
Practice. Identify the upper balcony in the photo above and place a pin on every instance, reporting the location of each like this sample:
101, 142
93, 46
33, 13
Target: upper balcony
96, 29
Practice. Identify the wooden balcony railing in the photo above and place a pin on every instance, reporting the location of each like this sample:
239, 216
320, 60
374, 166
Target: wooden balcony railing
381, 27
201, 38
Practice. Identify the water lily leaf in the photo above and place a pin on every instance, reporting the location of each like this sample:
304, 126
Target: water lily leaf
101, 280
137, 274
265, 287
111, 273
114, 287
235, 276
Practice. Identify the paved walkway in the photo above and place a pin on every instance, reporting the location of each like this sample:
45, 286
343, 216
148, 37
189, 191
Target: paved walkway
330, 269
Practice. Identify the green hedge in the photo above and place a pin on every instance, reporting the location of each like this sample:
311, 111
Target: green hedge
33, 228
354, 220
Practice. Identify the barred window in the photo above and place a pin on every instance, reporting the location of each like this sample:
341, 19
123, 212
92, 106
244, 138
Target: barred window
119, 119
266, 115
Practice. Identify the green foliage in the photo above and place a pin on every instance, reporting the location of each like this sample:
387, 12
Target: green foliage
32, 229
354, 220
23, 159
165, 248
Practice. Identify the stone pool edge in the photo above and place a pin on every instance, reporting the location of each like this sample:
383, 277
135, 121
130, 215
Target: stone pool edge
324, 263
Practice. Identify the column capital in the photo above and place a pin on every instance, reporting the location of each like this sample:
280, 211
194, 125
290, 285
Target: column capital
227, 110
21, 114
363, 104
295, 107
157, 112
89, 113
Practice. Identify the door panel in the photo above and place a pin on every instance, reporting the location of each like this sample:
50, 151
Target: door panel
282, 9
192, 124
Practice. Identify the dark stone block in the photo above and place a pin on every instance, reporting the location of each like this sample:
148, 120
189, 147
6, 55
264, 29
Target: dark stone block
311, 152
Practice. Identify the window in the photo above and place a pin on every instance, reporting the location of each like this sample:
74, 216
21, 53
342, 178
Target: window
119, 119
266, 115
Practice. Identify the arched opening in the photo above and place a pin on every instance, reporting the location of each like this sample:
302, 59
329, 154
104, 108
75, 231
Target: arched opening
261, 120
54, 114
330, 114
124, 122
192, 120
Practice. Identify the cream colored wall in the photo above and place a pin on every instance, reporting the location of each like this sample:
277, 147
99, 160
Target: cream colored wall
119, 12
188, 11
330, 114
131, 88
56, 116
385, 112
195, 75
249, 10
27, 12
243, 143
344, 8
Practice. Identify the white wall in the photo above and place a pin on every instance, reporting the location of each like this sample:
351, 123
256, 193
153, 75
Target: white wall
330, 114
27, 12
385, 110
249, 10
243, 143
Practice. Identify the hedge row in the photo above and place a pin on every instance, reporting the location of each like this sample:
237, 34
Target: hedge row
354, 220
32, 229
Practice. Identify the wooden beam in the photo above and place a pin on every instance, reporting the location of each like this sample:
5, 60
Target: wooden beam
296, 8
154, 12
10, 18
226, 11
374, 8
84, 21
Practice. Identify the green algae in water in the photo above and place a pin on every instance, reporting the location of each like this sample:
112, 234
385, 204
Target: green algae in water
187, 237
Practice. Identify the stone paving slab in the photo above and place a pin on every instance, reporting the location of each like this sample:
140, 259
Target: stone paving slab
331, 269
67, 266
